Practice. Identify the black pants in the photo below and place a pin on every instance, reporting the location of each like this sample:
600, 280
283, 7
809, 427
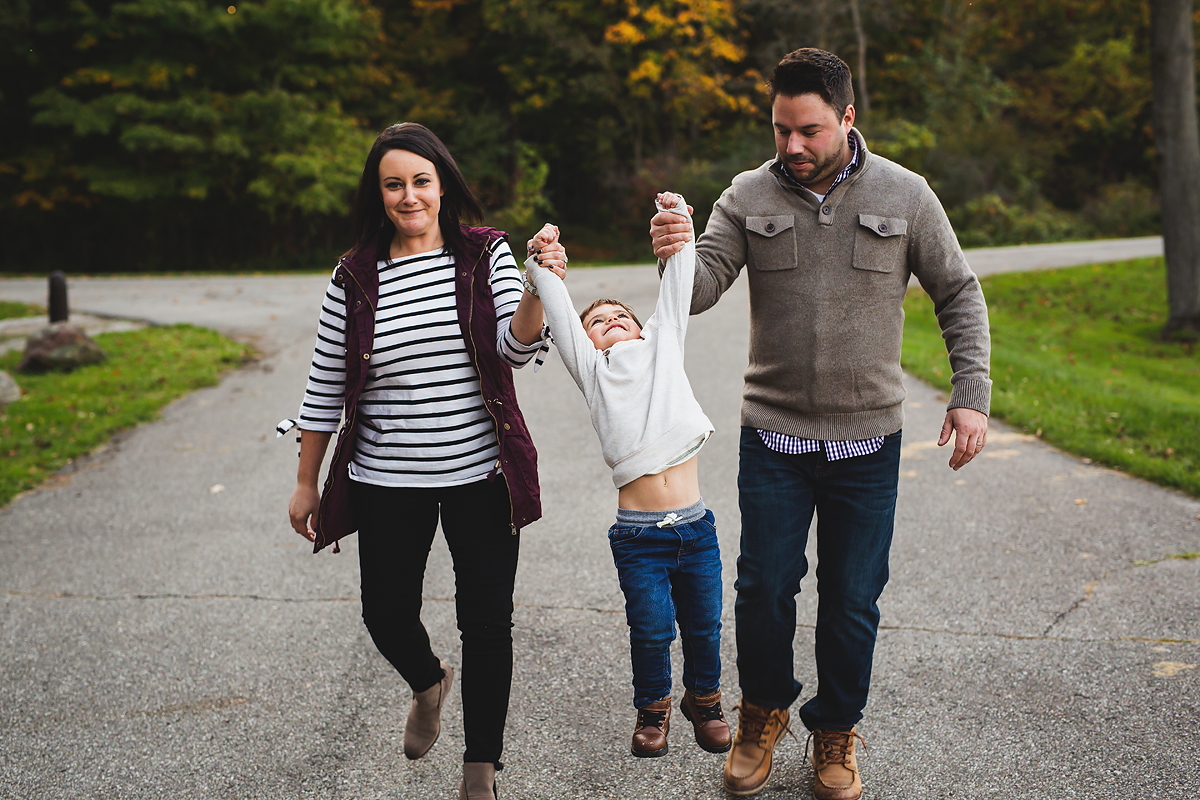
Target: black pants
396, 528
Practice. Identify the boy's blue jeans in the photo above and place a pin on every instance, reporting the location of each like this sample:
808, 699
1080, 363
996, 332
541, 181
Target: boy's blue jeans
670, 574
855, 503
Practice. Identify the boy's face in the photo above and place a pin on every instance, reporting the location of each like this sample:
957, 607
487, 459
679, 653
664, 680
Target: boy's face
608, 324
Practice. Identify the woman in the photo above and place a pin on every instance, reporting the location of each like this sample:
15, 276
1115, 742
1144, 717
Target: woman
422, 321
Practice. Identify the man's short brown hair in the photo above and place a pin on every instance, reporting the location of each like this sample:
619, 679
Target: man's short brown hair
607, 301
817, 71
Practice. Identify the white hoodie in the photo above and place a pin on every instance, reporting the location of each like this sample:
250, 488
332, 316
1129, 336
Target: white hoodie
641, 402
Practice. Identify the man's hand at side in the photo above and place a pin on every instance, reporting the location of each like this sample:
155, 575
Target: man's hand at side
970, 434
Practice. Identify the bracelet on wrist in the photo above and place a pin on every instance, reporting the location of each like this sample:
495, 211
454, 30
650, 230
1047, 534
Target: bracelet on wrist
529, 287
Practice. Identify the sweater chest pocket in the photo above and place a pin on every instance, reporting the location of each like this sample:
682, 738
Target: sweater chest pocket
772, 242
879, 242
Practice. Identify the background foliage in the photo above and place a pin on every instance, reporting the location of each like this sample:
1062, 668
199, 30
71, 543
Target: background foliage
185, 134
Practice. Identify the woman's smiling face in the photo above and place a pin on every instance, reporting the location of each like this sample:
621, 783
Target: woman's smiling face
607, 324
412, 193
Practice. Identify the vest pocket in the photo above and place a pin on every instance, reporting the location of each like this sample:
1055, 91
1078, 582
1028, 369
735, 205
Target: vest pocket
772, 242
879, 242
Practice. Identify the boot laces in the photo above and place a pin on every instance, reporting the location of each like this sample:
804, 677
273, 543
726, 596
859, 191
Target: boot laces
649, 718
753, 725
833, 747
707, 713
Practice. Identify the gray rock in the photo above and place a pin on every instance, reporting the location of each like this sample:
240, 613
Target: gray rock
60, 346
9, 391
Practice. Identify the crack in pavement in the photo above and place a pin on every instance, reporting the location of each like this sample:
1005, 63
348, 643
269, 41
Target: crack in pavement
1033, 637
1090, 587
265, 598
1043, 637
176, 596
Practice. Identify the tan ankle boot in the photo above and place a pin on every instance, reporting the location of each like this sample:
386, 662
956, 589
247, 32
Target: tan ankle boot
425, 717
479, 781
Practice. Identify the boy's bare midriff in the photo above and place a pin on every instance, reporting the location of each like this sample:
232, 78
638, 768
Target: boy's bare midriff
674, 488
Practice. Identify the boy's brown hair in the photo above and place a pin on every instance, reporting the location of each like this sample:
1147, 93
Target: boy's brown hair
607, 301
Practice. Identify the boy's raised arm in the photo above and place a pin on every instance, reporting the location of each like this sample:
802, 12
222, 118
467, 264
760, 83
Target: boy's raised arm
574, 347
678, 275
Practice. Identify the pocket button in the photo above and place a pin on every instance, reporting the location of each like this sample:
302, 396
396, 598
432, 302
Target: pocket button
883, 227
770, 227
827, 211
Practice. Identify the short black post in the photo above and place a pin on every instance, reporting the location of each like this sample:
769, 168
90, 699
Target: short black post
58, 297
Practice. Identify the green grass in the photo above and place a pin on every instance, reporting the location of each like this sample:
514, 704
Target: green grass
1076, 360
10, 309
62, 416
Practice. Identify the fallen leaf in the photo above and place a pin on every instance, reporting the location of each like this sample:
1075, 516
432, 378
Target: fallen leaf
1079, 501
1169, 669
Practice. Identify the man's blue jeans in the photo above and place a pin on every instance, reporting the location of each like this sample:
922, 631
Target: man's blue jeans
855, 503
671, 574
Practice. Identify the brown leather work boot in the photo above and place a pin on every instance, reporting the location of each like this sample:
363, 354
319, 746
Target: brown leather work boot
835, 769
748, 765
650, 735
705, 714
425, 717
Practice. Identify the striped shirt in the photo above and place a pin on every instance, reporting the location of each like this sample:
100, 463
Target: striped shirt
793, 445
421, 418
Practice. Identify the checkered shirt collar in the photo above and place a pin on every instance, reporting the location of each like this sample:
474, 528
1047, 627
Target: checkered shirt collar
851, 139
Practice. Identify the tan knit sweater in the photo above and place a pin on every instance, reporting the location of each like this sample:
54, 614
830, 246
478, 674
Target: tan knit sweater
827, 283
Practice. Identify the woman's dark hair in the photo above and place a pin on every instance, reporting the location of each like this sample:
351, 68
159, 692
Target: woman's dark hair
371, 226
811, 70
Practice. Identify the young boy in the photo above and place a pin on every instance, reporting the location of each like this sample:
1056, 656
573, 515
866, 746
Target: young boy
664, 542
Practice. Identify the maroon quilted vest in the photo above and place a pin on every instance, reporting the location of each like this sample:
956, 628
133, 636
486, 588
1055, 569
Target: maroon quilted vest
358, 275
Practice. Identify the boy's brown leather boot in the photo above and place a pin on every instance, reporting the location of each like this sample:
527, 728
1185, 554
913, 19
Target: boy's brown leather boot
650, 734
705, 714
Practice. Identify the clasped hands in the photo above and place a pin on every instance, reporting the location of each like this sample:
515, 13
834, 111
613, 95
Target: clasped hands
547, 250
669, 231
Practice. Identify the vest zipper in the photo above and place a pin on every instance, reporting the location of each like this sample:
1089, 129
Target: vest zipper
348, 428
486, 402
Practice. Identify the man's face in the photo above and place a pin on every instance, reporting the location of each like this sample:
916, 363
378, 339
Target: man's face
811, 139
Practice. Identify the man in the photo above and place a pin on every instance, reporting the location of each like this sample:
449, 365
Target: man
829, 234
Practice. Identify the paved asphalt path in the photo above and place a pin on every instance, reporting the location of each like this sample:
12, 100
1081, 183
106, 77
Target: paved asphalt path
165, 637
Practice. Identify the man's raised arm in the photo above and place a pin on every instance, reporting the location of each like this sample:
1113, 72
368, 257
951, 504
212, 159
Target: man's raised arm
720, 251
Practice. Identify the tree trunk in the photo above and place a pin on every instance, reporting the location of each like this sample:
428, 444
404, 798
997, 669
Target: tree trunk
863, 104
1177, 140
